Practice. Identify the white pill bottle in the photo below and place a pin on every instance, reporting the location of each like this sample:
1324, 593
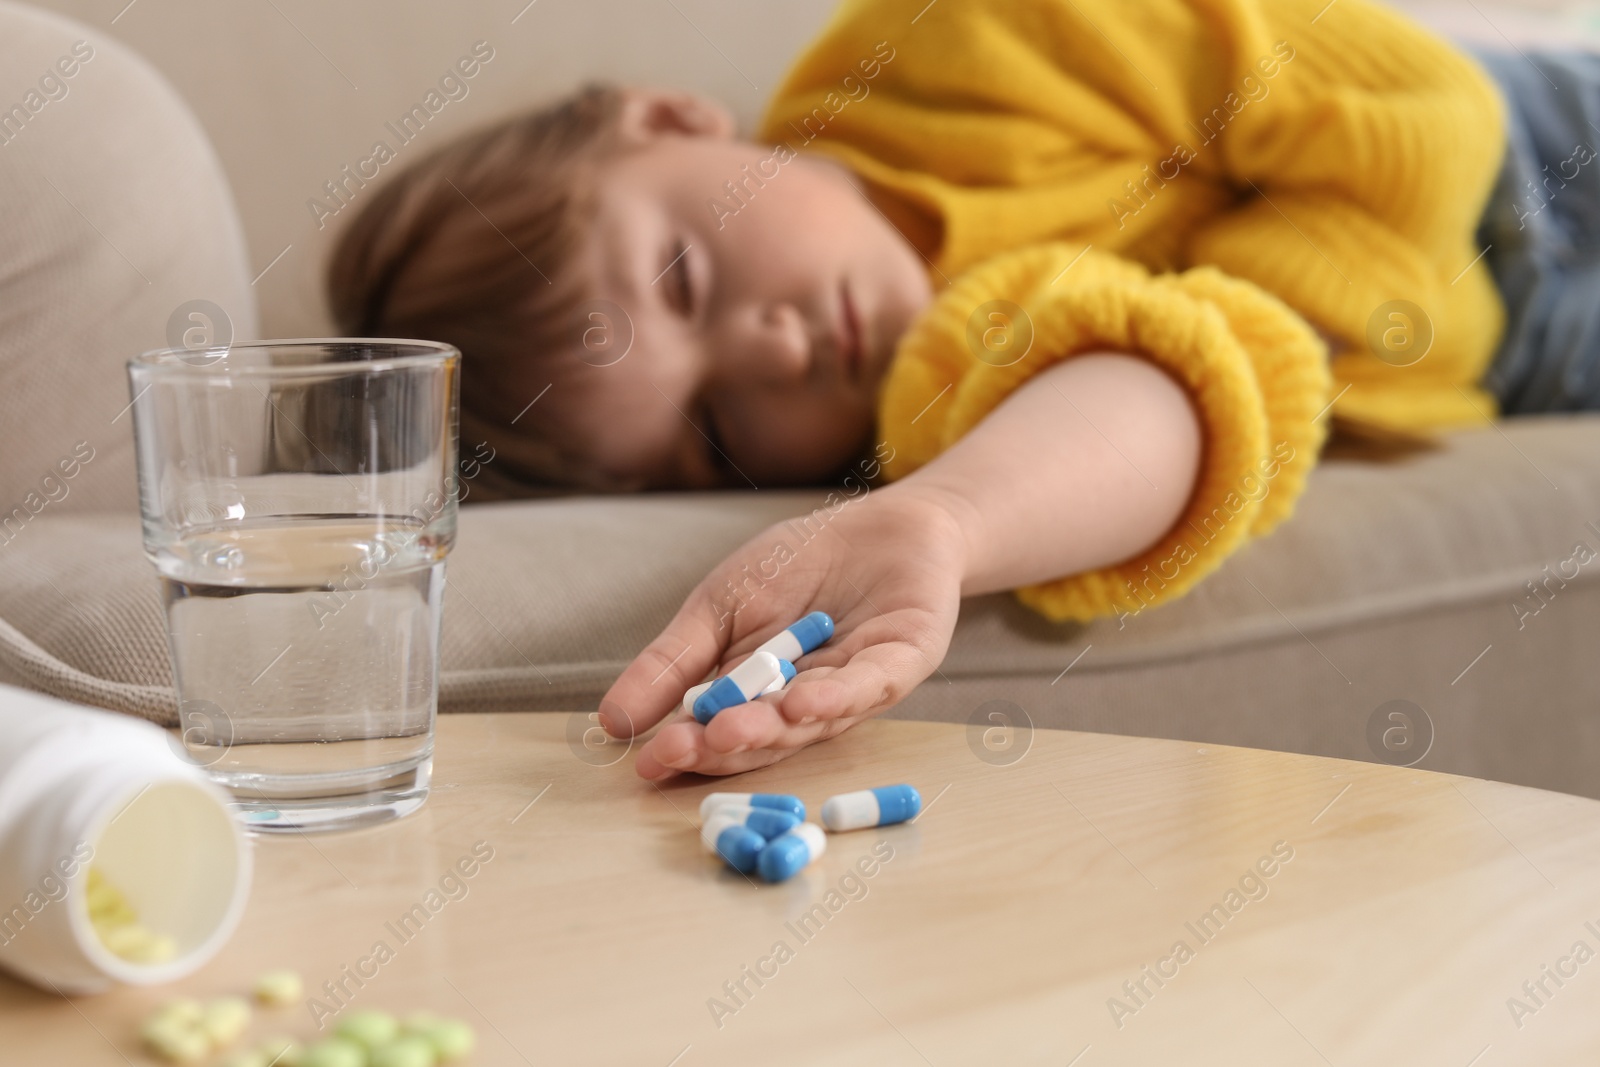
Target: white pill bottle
82, 788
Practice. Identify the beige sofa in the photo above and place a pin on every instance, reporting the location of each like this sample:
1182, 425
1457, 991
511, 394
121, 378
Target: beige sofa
1408, 582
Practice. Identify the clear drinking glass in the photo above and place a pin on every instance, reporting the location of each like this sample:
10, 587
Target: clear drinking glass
299, 498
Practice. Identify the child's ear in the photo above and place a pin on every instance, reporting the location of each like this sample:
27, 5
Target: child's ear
649, 114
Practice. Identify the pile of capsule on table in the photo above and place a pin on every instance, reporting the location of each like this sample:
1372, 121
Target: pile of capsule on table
766, 833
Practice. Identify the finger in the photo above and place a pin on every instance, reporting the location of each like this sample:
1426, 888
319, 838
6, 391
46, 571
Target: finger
686, 754
680, 747
877, 677
757, 724
886, 653
653, 684
684, 746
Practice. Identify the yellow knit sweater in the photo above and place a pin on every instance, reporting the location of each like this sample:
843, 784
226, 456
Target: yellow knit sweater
1336, 156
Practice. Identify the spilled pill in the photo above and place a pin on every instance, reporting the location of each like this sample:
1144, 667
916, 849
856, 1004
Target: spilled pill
223, 1020
451, 1038
768, 822
185, 1011
409, 1050
418, 1021
788, 854
807, 635
184, 1030
187, 1031
739, 686
335, 1052
371, 1027
174, 1040
282, 1051
776, 801
883, 806
277, 988
737, 844
248, 1058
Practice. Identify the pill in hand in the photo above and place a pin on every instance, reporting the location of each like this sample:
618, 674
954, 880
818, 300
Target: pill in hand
883, 806
807, 635
740, 685
784, 679
788, 854
692, 694
776, 801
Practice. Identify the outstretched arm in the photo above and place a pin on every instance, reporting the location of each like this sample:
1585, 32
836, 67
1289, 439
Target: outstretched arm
1086, 464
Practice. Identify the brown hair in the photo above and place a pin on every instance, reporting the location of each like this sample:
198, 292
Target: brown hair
474, 245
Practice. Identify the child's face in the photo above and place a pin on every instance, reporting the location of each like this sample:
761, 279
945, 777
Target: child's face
762, 329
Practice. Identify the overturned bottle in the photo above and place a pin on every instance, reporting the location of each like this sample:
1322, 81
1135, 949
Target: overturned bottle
119, 861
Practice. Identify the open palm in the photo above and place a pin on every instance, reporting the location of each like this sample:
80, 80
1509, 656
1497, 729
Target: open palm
888, 569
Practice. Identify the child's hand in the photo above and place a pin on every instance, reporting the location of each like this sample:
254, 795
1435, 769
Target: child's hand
888, 567
1036, 490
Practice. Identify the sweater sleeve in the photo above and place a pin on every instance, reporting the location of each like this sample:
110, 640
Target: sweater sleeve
1256, 373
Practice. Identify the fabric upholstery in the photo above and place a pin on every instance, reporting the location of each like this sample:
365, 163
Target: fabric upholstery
114, 213
1408, 581
1386, 584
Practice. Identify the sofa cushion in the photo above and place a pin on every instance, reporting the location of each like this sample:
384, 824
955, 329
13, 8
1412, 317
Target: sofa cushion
117, 223
547, 601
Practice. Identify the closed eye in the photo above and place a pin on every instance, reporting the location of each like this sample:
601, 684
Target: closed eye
680, 287
716, 451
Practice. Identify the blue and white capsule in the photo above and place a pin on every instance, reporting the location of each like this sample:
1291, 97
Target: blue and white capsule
807, 635
775, 801
787, 675
883, 806
761, 673
738, 845
788, 855
768, 822
693, 692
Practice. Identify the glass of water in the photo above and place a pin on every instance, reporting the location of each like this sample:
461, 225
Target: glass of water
299, 498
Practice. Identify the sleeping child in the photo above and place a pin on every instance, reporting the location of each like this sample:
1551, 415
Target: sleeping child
1057, 296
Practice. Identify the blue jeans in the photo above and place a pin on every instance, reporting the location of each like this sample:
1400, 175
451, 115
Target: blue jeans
1542, 228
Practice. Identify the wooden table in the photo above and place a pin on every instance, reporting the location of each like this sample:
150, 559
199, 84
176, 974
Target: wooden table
1013, 923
